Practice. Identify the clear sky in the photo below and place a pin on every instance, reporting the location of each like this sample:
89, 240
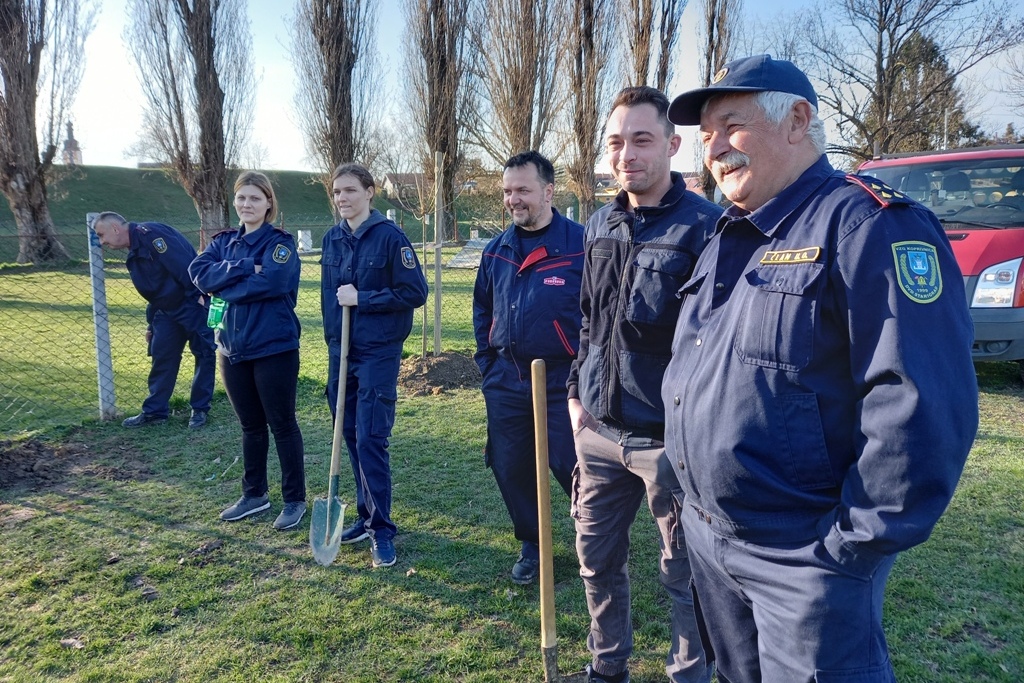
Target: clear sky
108, 112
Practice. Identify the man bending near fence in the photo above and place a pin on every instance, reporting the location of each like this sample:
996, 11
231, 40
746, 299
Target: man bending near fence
158, 259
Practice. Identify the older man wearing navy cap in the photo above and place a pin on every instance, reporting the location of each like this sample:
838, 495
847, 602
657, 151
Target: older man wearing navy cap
821, 400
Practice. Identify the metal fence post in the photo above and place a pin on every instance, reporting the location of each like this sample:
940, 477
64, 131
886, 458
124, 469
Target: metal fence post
101, 323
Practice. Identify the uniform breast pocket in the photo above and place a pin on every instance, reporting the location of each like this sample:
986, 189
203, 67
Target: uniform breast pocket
370, 272
660, 273
331, 260
777, 330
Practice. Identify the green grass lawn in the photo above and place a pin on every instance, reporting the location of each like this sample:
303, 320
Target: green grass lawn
119, 555
114, 566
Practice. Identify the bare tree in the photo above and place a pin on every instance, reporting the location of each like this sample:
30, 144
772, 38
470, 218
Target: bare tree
41, 45
437, 65
516, 76
334, 52
859, 52
642, 17
194, 60
715, 36
588, 46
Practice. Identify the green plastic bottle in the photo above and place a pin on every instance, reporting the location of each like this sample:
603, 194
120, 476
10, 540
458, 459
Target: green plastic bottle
215, 318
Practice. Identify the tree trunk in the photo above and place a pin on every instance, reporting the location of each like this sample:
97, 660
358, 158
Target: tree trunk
37, 238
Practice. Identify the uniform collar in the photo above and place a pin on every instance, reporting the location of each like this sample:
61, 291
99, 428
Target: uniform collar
375, 218
556, 238
136, 245
675, 193
255, 235
768, 217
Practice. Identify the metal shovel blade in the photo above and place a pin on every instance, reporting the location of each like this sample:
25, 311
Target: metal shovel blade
325, 529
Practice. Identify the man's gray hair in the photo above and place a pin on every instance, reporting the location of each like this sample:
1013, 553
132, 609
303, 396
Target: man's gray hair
776, 105
110, 217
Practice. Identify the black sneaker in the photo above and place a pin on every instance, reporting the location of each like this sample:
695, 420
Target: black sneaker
142, 419
246, 505
524, 571
383, 551
594, 677
290, 516
198, 419
355, 533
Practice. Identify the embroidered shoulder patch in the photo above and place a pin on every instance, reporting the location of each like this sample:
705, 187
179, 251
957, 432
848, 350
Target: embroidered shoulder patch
408, 257
160, 245
917, 270
805, 255
882, 193
282, 254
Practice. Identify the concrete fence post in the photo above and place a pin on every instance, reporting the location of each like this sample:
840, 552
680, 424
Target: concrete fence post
101, 324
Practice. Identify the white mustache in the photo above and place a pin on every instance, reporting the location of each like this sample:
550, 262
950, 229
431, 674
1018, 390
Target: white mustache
730, 162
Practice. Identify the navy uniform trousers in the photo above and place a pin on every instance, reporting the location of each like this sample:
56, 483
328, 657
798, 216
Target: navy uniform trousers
171, 331
370, 397
511, 454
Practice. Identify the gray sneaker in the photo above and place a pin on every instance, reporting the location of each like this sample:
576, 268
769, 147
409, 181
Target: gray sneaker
290, 516
246, 505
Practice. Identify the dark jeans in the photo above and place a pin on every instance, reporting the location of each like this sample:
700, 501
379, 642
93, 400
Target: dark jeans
262, 392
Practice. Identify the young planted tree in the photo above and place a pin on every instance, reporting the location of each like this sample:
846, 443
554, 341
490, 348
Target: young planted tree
437, 67
41, 46
864, 56
194, 59
588, 45
334, 52
641, 18
515, 74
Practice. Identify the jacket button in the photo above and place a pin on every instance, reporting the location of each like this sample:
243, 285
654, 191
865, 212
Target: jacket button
719, 286
681, 466
698, 342
676, 400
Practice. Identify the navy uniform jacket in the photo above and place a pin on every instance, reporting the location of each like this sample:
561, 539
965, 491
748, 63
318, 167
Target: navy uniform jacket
260, 319
157, 261
635, 264
381, 264
527, 306
821, 383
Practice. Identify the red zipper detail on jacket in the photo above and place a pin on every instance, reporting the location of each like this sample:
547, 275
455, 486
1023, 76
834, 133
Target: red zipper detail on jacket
565, 339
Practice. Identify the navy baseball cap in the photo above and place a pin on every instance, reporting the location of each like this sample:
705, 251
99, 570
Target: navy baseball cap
748, 74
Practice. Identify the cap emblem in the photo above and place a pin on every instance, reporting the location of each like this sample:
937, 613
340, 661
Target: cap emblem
722, 73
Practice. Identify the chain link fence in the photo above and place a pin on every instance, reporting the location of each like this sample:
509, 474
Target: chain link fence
48, 358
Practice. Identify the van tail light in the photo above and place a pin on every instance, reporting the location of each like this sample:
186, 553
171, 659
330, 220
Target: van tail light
1000, 286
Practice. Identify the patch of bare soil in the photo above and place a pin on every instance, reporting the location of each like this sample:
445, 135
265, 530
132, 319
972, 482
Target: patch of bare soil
35, 465
434, 375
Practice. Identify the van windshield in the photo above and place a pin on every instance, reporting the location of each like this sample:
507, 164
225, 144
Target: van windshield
985, 192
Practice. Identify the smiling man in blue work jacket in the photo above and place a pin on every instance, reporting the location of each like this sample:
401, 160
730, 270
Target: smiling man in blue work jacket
526, 305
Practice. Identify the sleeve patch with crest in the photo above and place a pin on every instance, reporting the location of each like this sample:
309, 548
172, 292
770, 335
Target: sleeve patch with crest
282, 254
160, 245
408, 257
917, 271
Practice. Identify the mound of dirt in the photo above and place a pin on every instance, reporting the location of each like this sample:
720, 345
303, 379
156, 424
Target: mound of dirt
34, 464
437, 374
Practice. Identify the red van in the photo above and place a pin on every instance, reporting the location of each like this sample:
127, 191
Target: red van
978, 195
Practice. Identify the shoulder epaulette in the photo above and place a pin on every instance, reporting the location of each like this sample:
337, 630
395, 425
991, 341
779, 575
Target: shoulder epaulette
883, 194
